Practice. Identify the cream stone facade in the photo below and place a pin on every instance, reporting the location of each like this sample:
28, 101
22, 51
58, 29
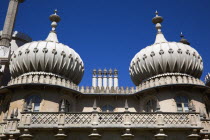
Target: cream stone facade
40, 98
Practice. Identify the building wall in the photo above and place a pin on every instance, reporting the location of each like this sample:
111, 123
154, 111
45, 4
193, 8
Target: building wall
52, 96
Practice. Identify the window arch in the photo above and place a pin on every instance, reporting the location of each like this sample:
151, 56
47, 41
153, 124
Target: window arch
150, 105
107, 108
182, 103
66, 107
34, 101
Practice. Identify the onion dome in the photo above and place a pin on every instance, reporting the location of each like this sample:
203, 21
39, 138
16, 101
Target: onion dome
49, 57
207, 79
183, 40
164, 57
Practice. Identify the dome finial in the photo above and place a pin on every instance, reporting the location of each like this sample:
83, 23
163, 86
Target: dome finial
158, 20
183, 40
55, 19
156, 12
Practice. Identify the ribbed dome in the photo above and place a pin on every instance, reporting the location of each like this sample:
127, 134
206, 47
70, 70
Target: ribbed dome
165, 57
48, 56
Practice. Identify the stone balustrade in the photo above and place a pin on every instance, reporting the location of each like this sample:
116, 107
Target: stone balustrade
14, 127
109, 120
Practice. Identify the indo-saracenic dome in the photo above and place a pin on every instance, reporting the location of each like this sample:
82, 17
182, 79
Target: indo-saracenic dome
48, 57
165, 58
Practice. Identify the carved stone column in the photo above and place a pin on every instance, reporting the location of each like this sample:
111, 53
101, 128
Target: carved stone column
94, 135
127, 135
60, 135
26, 135
194, 135
161, 135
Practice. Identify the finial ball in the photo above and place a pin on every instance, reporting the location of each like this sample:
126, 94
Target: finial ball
157, 18
55, 17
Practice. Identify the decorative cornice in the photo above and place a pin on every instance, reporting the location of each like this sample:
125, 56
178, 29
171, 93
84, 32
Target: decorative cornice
43, 78
168, 79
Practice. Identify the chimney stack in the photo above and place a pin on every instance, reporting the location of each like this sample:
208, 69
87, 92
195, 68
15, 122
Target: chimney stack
99, 78
94, 79
105, 78
115, 78
110, 78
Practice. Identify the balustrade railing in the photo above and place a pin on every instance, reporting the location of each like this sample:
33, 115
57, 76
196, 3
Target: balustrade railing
100, 119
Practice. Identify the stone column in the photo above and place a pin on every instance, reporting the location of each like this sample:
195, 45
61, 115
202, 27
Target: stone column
100, 78
94, 79
9, 22
5, 40
110, 78
105, 78
115, 78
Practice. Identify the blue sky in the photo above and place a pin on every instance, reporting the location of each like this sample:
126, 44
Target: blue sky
108, 33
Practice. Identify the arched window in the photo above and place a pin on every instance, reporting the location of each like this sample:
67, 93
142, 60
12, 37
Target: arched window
107, 108
151, 105
65, 105
34, 101
182, 103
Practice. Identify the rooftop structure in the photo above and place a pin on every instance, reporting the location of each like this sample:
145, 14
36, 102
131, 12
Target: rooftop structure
41, 98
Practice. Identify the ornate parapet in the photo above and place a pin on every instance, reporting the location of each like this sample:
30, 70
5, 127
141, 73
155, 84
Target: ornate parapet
108, 90
167, 79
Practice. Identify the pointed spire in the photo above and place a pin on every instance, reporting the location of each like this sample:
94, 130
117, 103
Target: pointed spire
30, 106
126, 106
94, 105
52, 35
63, 105
25, 108
16, 113
183, 40
158, 20
12, 114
